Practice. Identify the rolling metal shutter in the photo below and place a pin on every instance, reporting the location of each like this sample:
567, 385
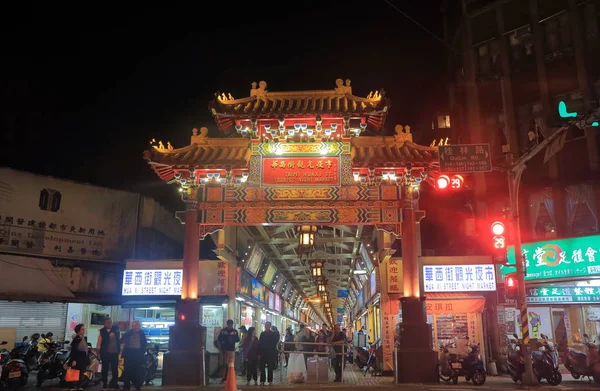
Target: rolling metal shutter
30, 317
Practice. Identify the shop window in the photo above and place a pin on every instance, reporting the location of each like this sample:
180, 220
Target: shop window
581, 213
557, 35
50, 200
443, 122
450, 327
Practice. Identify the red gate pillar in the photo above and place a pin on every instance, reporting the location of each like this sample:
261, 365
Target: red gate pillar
184, 362
417, 361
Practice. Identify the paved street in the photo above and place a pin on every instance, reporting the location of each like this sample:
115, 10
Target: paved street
355, 381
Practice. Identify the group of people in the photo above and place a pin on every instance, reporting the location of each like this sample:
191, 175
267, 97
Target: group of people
132, 346
260, 353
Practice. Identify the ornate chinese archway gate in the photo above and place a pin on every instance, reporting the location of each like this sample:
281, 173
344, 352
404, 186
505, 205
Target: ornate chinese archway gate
302, 158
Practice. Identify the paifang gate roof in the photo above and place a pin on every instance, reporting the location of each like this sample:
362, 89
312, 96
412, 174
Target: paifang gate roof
264, 104
234, 153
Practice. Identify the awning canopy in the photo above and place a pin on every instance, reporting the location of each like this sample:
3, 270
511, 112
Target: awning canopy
28, 278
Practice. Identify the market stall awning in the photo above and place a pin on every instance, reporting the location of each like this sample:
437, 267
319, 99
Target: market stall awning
28, 278
453, 303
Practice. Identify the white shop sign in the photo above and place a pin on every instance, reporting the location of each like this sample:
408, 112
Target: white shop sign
152, 282
459, 278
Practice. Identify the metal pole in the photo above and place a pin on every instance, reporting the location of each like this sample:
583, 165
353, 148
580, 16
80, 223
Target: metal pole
396, 364
343, 360
514, 181
203, 352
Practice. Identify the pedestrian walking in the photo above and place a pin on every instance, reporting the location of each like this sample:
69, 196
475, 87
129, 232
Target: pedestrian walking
109, 347
78, 358
267, 347
250, 351
133, 346
228, 337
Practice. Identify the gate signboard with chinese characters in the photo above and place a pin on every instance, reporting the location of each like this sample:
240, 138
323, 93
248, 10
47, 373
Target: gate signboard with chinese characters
459, 278
300, 171
575, 257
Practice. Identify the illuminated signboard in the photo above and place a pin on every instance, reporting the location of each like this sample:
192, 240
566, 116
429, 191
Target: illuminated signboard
459, 278
152, 282
301, 171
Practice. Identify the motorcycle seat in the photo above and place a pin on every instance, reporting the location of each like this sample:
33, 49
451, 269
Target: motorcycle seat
577, 353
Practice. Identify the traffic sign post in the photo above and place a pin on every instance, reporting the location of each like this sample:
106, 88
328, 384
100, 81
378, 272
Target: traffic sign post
464, 158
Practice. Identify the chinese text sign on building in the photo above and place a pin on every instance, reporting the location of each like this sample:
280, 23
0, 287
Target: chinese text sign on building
212, 278
563, 294
464, 158
575, 257
394, 276
459, 278
300, 171
152, 282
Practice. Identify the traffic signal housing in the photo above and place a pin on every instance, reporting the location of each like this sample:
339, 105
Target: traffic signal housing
498, 238
447, 182
511, 286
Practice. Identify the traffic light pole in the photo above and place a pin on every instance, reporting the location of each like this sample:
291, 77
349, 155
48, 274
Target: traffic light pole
514, 181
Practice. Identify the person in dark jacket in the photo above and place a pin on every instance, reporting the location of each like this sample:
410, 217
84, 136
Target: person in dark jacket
109, 346
228, 337
289, 338
250, 352
133, 346
78, 359
267, 349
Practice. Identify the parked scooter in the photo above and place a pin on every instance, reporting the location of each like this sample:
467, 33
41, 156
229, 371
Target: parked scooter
51, 363
151, 364
515, 362
14, 370
581, 364
445, 371
545, 363
471, 366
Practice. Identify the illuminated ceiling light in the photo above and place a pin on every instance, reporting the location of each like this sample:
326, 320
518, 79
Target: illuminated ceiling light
359, 272
306, 239
316, 268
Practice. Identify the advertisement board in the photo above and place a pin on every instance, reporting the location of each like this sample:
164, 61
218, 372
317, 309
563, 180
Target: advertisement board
459, 278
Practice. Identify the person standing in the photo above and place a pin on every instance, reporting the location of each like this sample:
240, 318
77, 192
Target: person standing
250, 352
228, 337
134, 346
289, 337
242, 331
267, 349
109, 340
78, 358
337, 339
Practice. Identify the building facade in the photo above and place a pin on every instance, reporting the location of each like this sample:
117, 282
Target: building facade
510, 63
63, 246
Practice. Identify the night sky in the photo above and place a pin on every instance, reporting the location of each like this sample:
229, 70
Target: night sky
89, 87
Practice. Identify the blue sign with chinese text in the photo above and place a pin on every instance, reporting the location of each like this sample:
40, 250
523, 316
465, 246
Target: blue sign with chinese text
152, 282
459, 278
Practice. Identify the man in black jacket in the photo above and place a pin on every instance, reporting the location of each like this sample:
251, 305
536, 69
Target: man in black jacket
267, 350
228, 337
109, 346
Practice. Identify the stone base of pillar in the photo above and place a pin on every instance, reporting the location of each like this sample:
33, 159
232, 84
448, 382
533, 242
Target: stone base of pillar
417, 361
183, 364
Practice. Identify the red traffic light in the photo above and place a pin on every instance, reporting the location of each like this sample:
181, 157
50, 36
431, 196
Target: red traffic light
498, 228
442, 182
455, 182
510, 281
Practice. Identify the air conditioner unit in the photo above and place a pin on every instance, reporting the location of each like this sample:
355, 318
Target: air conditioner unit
524, 37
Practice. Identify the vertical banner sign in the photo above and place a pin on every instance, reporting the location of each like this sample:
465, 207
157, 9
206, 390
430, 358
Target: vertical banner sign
212, 278
389, 334
394, 276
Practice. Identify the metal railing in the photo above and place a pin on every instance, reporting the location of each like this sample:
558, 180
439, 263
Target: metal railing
282, 352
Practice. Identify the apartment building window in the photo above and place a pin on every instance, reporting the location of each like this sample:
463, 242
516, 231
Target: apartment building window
591, 17
50, 200
443, 122
521, 43
488, 55
557, 34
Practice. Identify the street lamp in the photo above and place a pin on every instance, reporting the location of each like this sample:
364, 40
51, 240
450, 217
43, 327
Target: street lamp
306, 239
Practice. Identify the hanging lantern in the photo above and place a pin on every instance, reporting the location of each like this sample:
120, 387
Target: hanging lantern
324, 296
316, 268
322, 286
306, 239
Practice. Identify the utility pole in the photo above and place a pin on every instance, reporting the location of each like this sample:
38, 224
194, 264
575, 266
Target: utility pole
515, 172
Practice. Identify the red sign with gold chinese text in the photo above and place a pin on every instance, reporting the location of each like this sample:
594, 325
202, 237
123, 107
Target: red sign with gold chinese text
301, 171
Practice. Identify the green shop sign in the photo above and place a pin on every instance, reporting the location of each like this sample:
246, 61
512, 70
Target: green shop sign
563, 294
561, 258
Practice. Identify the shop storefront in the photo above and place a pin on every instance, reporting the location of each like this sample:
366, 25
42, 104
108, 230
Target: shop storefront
563, 291
455, 301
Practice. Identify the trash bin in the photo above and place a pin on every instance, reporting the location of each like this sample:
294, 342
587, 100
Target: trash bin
317, 368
